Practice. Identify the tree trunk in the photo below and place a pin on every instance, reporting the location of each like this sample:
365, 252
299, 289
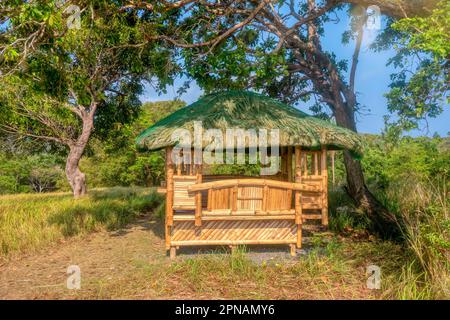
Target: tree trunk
383, 222
76, 178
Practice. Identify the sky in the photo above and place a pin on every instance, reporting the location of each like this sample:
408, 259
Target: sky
372, 81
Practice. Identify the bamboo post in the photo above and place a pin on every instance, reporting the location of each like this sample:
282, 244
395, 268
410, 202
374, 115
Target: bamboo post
316, 163
304, 161
173, 252
289, 164
198, 199
299, 236
169, 195
283, 161
293, 250
298, 206
333, 153
298, 165
230, 198
324, 187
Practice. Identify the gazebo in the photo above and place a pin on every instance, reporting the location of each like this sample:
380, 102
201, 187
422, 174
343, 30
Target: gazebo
207, 209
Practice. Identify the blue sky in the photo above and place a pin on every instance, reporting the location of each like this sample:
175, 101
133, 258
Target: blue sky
372, 82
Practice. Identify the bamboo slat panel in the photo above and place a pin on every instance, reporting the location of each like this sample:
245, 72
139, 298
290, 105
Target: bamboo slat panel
220, 199
183, 198
313, 200
249, 198
279, 199
229, 231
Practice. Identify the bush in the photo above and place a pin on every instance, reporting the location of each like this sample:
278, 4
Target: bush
385, 161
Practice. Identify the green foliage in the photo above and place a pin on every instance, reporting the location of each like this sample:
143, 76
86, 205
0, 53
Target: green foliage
111, 160
386, 161
236, 169
70, 77
429, 33
420, 89
344, 217
116, 161
33, 173
412, 178
422, 208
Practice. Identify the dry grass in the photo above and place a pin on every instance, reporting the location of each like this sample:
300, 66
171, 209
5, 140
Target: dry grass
332, 269
125, 258
33, 221
423, 215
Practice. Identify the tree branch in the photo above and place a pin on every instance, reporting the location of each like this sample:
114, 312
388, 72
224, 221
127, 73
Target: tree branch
355, 58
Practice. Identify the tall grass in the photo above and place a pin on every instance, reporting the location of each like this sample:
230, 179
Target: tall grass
422, 210
29, 222
421, 207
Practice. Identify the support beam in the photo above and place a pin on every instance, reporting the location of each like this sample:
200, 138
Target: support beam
298, 205
293, 250
316, 163
324, 173
169, 195
173, 252
289, 164
198, 199
298, 165
283, 161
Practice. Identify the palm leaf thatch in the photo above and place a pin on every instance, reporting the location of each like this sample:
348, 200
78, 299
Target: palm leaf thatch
249, 110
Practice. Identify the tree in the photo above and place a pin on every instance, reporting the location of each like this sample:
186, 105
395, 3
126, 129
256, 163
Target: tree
71, 80
276, 47
45, 173
278, 50
115, 159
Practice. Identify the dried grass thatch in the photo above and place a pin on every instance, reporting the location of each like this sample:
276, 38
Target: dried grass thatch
249, 110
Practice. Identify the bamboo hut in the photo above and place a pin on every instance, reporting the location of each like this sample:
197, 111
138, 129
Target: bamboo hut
206, 209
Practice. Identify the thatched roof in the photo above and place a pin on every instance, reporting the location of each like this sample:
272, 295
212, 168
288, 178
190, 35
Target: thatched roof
249, 110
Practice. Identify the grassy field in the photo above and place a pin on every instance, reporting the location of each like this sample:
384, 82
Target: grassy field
116, 236
32, 221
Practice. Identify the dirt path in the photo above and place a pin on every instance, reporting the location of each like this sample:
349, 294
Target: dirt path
130, 263
103, 257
